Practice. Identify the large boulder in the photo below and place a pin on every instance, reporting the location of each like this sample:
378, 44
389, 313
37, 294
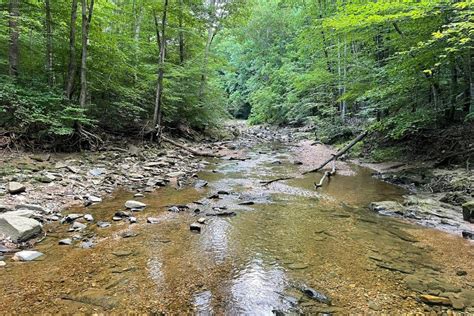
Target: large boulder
19, 228
468, 211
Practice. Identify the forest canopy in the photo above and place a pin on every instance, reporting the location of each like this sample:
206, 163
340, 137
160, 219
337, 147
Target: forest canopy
132, 67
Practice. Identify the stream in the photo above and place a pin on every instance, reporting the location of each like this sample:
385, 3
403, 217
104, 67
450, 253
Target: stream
275, 241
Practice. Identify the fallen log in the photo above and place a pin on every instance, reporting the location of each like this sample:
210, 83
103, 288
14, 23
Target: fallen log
327, 174
264, 183
339, 153
192, 151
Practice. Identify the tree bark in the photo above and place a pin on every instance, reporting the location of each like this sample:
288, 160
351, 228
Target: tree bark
136, 37
161, 41
49, 45
86, 19
71, 70
181, 33
14, 47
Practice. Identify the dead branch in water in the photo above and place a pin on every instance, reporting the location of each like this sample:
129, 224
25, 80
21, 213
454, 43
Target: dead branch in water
327, 174
264, 183
339, 153
192, 151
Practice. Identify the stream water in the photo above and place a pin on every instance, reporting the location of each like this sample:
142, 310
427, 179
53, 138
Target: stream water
255, 262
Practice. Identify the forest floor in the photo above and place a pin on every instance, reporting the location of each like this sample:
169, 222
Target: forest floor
365, 262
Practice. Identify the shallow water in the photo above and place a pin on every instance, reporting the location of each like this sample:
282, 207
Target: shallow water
252, 263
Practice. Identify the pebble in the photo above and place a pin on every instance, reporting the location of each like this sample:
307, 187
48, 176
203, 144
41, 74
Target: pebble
195, 227
132, 219
134, 204
76, 226
89, 217
102, 224
138, 195
67, 241
27, 255
152, 220
2, 263
202, 220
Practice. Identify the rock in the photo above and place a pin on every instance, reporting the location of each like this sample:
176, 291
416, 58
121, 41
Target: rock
174, 209
200, 184
122, 253
138, 195
89, 217
73, 169
41, 158
461, 273
386, 207
87, 244
467, 235
103, 224
34, 207
202, 220
176, 174
46, 178
468, 211
93, 199
134, 204
195, 227
227, 213
297, 266
5, 208
76, 226
132, 219
71, 217
128, 234
434, 300
454, 198
117, 218
67, 241
27, 255
222, 192
296, 162
21, 213
97, 171
19, 228
373, 306
247, 203
4, 249
315, 295
2, 264
152, 220
15, 187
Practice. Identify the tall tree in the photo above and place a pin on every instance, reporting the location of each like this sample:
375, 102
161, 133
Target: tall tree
14, 47
86, 20
161, 42
49, 44
72, 65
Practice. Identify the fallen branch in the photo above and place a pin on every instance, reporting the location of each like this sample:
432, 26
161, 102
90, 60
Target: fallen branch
339, 153
192, 151
327, 174
264, 183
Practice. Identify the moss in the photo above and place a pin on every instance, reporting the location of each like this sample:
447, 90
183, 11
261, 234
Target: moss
386, 154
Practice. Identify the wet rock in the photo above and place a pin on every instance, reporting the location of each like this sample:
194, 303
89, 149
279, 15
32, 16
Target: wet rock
67, 242
76, 226
178, 208
19, 228
461, 273
195, 227
315, 295
468, 211
134, 204
15, 187
223, 214
103, 224
152, 220
396, 266
222, 192
27, 255
297, 266
93, 297
434, 300
247, 203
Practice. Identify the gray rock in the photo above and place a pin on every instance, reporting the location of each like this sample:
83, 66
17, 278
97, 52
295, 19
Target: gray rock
468, 211
73, 169
21, 213
174, 209
97, 171
176, 174
2, 264
152, 220
386, 207
47, 178
15, 188
132, 219
138, 195
27, 255
71, 217
134, 204
19, 228
202, 220
89, 217
5, 208
76, 226
103, 224
94, 199
34, 207
67, 241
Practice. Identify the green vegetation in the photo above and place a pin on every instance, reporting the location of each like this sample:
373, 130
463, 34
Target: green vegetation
69, 68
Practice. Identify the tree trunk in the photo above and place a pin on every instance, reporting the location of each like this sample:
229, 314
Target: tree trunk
14, 48
136, 37
181, 34
49, 45
211, 33
86, 19
71, 70
161, 41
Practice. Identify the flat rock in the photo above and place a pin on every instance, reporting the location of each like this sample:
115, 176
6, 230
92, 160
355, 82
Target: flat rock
71, 217
67, 241
19, 228
27, 255
152, 220
15, 187
103, 224
435, 300
5, 208
93, 199
34, 207
76, 226
176, 174
22, 213
2, 264
195, 227
89, 217
134, 204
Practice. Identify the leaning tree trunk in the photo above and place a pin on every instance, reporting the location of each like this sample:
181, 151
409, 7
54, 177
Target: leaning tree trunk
49, 44
14, 47
161, 41
71, 70
86, 19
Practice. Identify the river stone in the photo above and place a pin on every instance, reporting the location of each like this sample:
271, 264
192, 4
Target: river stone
152, 220
89, 217
19, 228
195, 227
468, 211
134, 204
94, 199
176, 174
385, 207
2, 264
67, 241
5, 208
27, 255
435, 300
72, 217
15, 188
21, 213
33, 207
76, 226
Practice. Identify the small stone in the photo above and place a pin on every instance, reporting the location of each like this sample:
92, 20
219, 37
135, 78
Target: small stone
93, 199
461, 273
15, 188
2, 264
76, 226
134, 204
202, 220
374, 306
103, 224
89, 217
467, 235
132, 219
117, 218
71, 217
138, 195
296, 162
468, 211
174, 209
122, 253
67, 241
128, 234
195, 227
176, 174
73, 169
435, 300
27, 255
222, 192
54, 218
152, 220
247, 203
